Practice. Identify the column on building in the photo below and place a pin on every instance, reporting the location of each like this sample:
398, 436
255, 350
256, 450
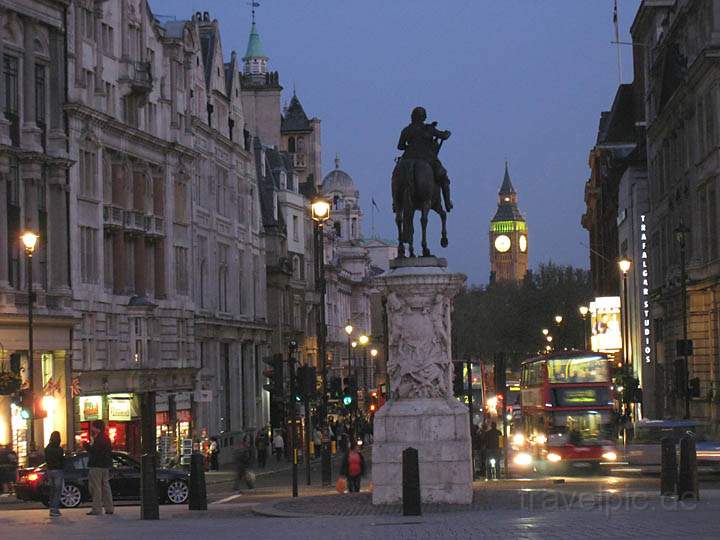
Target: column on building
31, 133
4, 124
59, 282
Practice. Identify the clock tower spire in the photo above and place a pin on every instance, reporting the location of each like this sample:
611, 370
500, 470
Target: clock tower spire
508, 236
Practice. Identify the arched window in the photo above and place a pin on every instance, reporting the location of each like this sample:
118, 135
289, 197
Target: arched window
300, 144
291, 145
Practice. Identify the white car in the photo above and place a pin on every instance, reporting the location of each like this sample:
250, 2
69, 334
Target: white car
644, 451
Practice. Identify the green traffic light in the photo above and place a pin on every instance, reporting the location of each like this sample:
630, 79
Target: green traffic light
25, 414
347, 400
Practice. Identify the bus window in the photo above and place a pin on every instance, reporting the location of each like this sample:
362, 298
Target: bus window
588, 369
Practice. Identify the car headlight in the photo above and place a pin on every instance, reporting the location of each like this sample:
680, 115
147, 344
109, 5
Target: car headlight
523, 458
518, 439
609, 456
541, 439
552, 456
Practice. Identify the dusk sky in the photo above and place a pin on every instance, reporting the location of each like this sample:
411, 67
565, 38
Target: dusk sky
521, 80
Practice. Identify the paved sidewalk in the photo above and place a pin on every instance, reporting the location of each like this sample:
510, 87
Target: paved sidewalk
695, 521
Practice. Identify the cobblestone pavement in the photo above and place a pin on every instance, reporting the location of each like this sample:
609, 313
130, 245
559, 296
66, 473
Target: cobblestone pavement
661, 521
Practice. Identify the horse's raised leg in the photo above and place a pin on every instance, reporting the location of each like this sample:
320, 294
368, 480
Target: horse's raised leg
408, 229
443, 221
401, 246
424, 222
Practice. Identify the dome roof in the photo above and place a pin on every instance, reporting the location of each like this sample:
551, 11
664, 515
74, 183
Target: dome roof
339, 181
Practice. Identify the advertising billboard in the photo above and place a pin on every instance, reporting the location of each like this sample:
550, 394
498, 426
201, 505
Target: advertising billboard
605, 320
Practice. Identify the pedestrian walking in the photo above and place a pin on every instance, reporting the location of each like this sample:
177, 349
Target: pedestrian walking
481, 448
353, 467
8, 468
261, 446
278, 445
317, 441
55, 463
242, 458
99, 464
214, 452
492, 448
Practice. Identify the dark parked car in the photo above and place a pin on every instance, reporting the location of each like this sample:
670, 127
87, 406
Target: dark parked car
172, 485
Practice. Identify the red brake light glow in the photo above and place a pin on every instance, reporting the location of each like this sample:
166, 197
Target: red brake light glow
33, 477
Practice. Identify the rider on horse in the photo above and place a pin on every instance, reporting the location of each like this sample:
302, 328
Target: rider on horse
419, 141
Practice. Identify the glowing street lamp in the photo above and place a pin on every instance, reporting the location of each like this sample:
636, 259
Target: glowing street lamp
363, 339
545, 331
549, 339
320, 210
29, 240
584, 310
374, 353
558, 319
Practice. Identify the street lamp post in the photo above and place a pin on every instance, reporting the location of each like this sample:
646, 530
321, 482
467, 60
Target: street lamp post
681, 235
29, 240
373, 355
625, 264
349, 330
583, 313
558, 322
320, 213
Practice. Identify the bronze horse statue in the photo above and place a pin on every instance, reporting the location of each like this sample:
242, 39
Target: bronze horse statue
417, 191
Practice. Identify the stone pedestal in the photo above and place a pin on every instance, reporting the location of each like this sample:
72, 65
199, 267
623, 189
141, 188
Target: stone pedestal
421, 411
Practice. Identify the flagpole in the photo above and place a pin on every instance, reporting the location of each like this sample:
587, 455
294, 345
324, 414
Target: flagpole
372, 219
617, 40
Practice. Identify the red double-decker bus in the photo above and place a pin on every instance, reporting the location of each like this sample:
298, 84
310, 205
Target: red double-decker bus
567, 404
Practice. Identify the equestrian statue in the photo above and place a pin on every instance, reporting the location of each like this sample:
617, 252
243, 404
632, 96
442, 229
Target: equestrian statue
419, 181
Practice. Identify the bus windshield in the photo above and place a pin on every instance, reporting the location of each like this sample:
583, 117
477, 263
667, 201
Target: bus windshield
579, 428
583, 369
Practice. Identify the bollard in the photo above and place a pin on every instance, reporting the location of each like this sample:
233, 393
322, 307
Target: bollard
326, 466
668, 467
687, 488
198, 491
411, 483
149, 504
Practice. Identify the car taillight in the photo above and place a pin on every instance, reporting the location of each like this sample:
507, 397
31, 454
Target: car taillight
33, 477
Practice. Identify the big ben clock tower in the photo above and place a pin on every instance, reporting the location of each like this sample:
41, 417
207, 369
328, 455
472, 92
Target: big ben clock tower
508, 236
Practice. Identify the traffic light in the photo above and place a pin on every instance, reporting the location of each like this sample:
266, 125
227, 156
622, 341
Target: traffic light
25, 402
458, 380
350, 393
274, 374
307, 381
335, 388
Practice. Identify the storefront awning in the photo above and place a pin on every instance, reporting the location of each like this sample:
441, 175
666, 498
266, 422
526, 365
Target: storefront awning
135, 380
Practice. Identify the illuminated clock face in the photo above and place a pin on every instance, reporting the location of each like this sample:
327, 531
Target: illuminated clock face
523, 243
502, 243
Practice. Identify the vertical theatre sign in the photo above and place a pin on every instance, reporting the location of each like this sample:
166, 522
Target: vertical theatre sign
644, 291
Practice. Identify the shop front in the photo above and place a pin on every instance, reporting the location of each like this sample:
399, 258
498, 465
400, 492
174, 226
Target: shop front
115, 397
27, 425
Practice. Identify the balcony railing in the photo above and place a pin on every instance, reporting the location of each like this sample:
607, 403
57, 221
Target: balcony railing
134, 221
154, 226
139, 76
112, 217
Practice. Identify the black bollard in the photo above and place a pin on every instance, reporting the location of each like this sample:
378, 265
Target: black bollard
325, 465
411, 483
198, 492
668, 467
149, 504
688, 478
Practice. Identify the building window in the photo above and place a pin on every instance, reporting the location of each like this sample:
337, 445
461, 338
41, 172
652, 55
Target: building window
181, 272
40, 95
241, 284
222, 277
10, 71
338, 229
203, 272
108, 39
13, 222
295, 229
291, 145
181, 201
88, 255
87, 165
108, 262
222, 192
138, 339
87, 23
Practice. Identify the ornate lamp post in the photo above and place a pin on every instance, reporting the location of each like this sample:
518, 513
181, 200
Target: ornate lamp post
320, 213
363, 340
373, 354
583, 314
625, 264
349, 330
29, 240
681, 234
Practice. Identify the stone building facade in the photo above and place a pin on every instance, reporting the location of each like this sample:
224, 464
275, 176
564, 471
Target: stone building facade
34, 187
679, 69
